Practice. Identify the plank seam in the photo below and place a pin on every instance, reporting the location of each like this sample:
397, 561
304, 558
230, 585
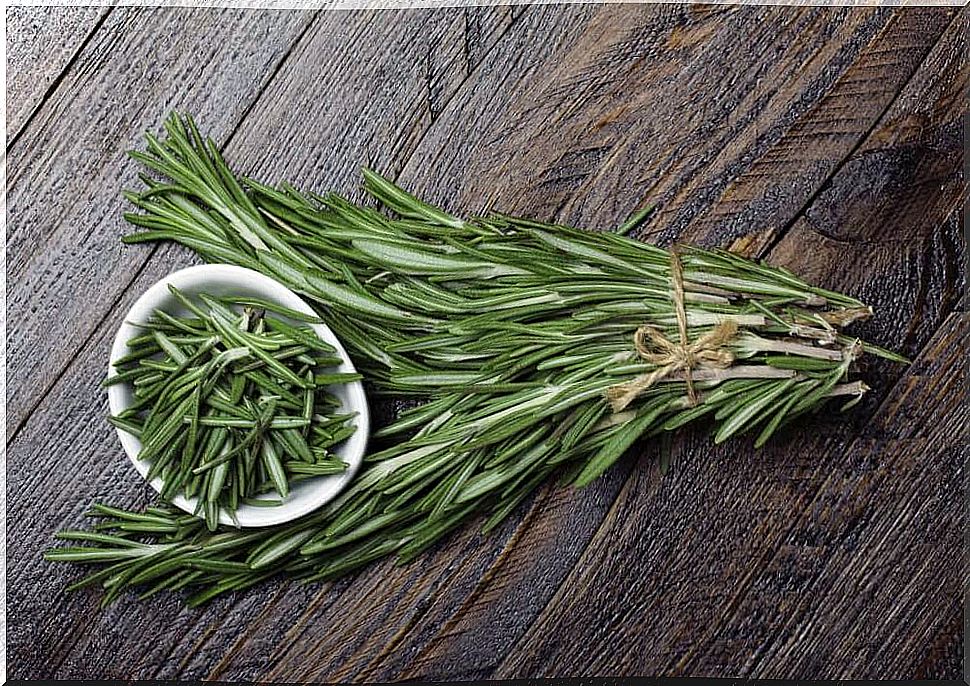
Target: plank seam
57, 80
876, 122
770, 554
12, 435
142, 267
276, 70
764, 252
627, 481
402, 164
490, 571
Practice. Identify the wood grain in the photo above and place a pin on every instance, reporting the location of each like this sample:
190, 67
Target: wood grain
895, 566
477, 634
625, 120
729, 553
183, 646
67, 170
331, 145
67, 269
787, 555
754, 127
41, 43
757, 205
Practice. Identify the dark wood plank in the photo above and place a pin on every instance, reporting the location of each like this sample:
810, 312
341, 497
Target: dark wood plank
455, 110
67, 170
897, 200
669, 106
67, 422
871, 572
878, 531
473, 636
757, 206
363, 88
66, 269
378, 107
41, 42
914, 161
687, 559
305, 654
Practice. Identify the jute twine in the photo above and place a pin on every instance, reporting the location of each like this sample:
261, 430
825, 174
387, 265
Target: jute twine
652, 346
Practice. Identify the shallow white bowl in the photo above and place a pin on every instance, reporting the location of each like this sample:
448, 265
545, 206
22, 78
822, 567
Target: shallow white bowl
221, 280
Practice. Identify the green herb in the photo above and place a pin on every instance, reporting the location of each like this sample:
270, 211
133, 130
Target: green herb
212, 402
536, 351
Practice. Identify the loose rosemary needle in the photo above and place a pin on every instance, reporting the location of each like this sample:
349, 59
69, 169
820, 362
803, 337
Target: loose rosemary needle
528, 351
229, 405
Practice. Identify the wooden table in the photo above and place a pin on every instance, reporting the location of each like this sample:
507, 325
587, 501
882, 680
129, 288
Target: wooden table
825, 140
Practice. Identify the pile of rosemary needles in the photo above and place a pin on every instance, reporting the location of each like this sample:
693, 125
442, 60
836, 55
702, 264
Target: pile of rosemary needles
229, 405
532, 351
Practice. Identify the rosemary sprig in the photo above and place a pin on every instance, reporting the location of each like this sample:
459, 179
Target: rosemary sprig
511, 332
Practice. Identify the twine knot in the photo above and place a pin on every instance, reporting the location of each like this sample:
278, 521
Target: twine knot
669, 357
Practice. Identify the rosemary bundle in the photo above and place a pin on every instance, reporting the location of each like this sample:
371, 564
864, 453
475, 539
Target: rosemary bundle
229, 405
535, 351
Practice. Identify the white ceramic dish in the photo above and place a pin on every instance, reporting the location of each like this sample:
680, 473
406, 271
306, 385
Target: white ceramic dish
221, 280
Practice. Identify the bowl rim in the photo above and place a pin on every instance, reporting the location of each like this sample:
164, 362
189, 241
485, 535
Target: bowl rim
351, 451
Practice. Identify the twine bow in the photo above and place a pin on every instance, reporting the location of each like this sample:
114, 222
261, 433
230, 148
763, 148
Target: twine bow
652, 346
